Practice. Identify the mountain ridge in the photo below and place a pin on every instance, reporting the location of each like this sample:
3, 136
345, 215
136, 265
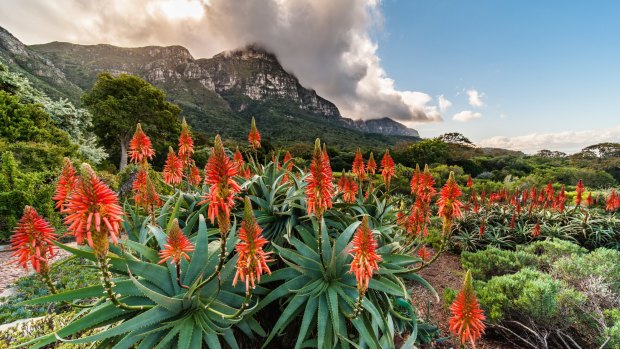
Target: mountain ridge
218, 94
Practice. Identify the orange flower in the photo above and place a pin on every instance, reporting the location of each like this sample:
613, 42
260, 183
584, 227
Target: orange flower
176, 247
536, 230
579, 189
194, 176
610, 204
387, 168
238, 158
415, 180
589, 200
470, 182
424, 253
140, 147
93, 212
467, 317
66, 184
254, 135
33, 241
173, 169
358, 165
186, 144
145, 194
364, 254
219, 174
371, 165
288, 165
349, 189
320, 188
252, 262
449, 205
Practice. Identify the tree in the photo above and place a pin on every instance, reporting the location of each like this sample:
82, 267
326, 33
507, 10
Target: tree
456, 138
602, 151
428, 151
119, 103
552, 154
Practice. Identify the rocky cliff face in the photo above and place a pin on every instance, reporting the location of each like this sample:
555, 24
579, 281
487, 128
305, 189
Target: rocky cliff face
215, 92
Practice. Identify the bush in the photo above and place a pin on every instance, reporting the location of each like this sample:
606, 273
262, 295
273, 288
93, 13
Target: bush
495, 262
548, 252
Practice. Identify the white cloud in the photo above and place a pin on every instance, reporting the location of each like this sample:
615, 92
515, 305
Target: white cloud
503, 115
568, 141
466, 115
444, 103
475, 98
327, 44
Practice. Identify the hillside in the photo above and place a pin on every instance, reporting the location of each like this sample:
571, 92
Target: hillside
217, 95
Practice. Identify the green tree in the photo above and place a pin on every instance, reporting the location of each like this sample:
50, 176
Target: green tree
119, 103
428, 151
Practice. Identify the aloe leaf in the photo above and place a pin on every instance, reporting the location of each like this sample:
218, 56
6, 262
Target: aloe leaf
306, 322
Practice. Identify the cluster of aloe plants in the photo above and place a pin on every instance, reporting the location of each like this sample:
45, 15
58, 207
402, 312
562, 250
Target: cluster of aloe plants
236, 260
505, 219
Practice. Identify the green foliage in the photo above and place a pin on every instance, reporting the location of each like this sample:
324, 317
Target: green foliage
547, 252
602, 263
486, 264
68, 275
428, 151
119, 103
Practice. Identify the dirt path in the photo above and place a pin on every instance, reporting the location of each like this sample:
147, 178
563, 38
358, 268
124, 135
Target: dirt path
10, 272
446, 272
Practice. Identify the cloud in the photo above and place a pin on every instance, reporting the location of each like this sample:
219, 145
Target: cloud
568, 141
444, 103
466, 115
327, 44
475, 98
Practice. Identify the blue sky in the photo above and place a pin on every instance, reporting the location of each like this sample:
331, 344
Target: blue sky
543, 66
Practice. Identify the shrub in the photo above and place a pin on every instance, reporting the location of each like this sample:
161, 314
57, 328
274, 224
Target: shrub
492, 262
548, 252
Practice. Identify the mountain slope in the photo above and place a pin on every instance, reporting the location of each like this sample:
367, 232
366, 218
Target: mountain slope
218, 94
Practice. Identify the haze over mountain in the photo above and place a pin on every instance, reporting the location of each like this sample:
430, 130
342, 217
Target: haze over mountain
217, 94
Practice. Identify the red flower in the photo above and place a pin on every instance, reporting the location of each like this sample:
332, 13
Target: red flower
470, 182
467, 317
612, 202
145, 194
219, 175
320, 188
173, 169
66, 184
364, 254
371, 165
387, 168
579, 189
424, 253
177, 246
194, 176
536, 230
449, 205
589, 200
561, 200
252, 262
93, 212
349, 188
254, 135
140, 147
288, 165
186, 144
238, 158
358, 165
33, 241
483, 228
415, 180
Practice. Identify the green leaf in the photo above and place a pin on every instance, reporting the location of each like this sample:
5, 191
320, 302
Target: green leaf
306, 322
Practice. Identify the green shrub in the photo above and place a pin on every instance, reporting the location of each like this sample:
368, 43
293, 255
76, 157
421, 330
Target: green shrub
492, 262
549, 251
612, 332
602, 263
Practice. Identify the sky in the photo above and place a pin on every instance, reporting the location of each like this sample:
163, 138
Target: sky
523, 75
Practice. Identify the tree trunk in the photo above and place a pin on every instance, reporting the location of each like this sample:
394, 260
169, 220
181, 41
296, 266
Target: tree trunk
124, 146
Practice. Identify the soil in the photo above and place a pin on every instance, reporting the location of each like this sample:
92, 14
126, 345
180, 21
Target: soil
446, 272
10, 272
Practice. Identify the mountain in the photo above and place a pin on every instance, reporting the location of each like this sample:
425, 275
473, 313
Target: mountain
217, 95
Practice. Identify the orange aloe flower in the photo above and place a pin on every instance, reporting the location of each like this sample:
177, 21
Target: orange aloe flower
288, 165
219, 175
536, 230
238, 158
589, 200
579, 189
320, 188
387, 168
467, 316
140, 147
254, 135
33, 241
252, 262
194, 176
186, 144
449, 204
424, 253
470, 182
93, 211
365, 256
358, 165
176, 247
349, 189
145, 194
371, 165
173, 169
66, 184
